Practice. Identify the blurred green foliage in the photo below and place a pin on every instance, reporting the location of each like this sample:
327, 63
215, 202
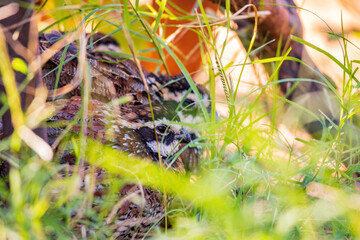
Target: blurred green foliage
251, 183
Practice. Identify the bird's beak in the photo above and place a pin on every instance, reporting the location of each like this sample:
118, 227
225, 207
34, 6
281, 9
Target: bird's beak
185, 137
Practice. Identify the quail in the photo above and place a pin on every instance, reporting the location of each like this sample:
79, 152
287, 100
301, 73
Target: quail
132, 129
126, 128
129, 130
115, 77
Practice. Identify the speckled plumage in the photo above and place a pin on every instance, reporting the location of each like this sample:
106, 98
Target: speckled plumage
128, 127
119, 128
114, 77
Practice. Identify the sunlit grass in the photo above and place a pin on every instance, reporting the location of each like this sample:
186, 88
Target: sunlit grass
251, 183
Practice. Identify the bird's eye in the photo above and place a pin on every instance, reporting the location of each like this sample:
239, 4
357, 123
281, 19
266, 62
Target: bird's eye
161, 128
188, 102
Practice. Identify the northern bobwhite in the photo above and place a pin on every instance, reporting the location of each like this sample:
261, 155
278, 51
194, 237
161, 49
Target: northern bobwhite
129, 130
115, 77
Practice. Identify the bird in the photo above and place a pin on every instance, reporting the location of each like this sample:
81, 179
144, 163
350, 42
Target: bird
123, 126
129, 129
115, 77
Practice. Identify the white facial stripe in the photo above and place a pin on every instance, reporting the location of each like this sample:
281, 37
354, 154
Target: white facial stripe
192, 97
165, 150
188, 118
180, 95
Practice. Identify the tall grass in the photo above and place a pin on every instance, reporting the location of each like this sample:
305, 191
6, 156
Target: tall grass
252, 183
